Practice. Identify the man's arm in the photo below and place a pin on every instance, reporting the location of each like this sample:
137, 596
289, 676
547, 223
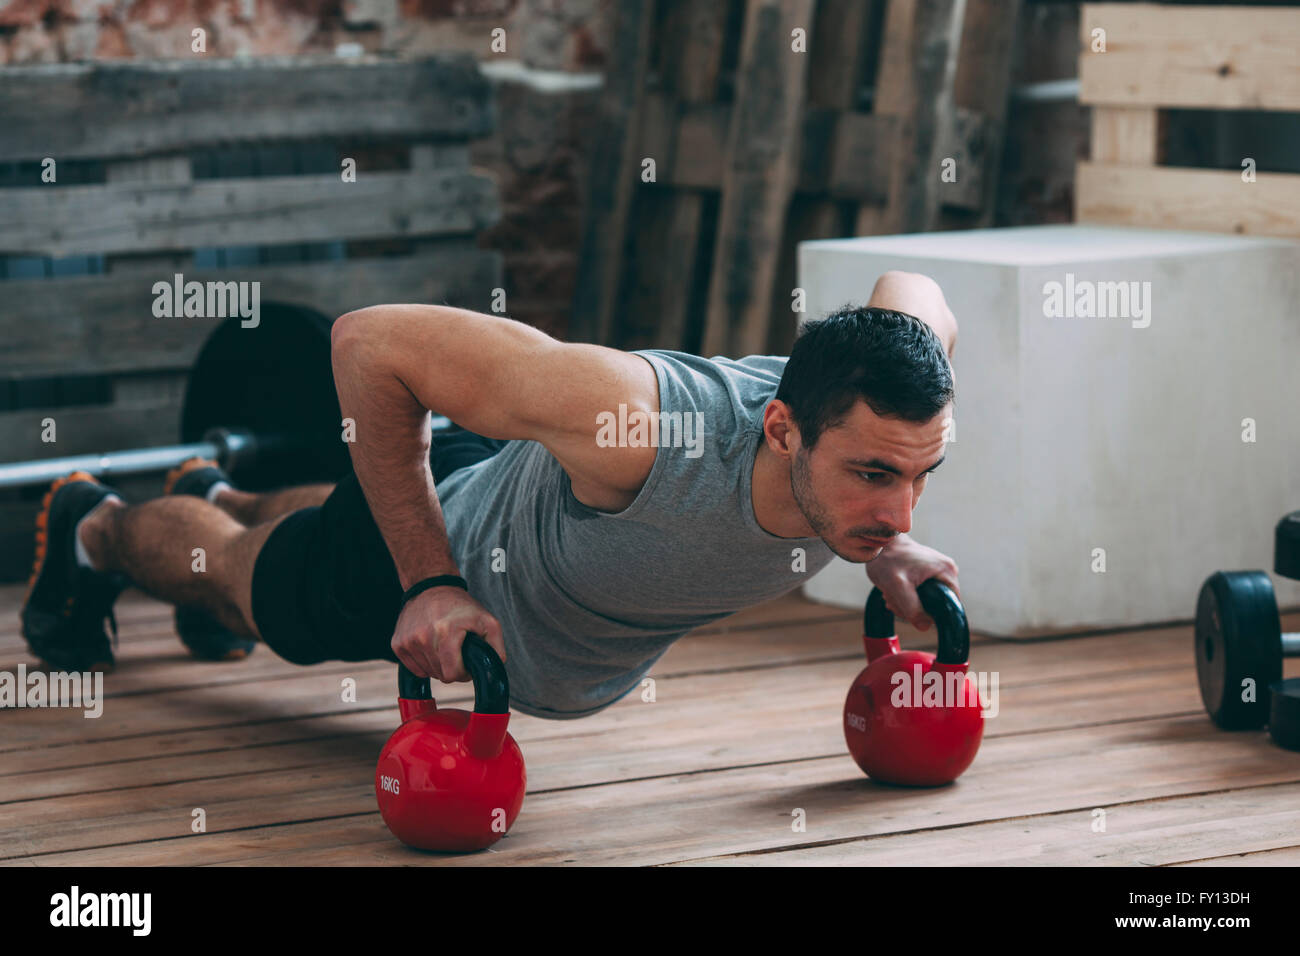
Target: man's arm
903, 565
393, 364
917, 295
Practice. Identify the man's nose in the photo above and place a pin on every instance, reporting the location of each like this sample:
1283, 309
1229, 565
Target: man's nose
895, 512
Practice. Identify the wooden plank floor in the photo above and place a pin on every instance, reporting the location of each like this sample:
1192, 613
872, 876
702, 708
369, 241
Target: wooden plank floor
745, 730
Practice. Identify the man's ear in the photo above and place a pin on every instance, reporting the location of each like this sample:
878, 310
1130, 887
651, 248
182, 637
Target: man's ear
779, 427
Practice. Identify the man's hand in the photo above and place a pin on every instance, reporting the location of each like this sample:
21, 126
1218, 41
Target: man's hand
901, 567
432, 627
917, 295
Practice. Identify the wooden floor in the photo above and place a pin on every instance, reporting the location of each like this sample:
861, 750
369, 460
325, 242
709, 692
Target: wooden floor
745, 730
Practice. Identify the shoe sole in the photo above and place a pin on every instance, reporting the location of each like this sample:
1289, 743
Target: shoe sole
230, 654
234, 654
42, 541
43, 524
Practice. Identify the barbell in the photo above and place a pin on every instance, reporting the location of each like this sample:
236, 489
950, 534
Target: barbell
259, 400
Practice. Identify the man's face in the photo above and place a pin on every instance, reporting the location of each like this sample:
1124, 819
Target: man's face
858, 486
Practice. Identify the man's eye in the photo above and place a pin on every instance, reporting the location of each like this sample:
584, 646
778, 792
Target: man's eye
871, 476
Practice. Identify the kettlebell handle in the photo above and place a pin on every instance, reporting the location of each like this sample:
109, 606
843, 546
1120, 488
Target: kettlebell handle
941, 604
491, 686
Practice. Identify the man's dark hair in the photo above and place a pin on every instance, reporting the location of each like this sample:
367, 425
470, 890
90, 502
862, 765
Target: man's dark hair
891, 360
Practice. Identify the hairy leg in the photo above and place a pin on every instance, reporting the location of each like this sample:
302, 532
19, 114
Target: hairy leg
154, 544
252, 508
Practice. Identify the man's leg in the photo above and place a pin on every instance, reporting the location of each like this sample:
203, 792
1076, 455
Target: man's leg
203, 478
251, 508
204, 634
318, 580
314, 584
90, 545
182, 550
451, 450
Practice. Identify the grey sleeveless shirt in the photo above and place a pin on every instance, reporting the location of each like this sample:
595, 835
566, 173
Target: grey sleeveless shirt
588, 600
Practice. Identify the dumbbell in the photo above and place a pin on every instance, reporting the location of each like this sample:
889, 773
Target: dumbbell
1240, 646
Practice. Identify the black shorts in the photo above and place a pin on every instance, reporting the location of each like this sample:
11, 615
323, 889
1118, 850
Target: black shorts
324, 585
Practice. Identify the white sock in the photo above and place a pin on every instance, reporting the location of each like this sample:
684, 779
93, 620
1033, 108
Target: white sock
83, 556
217, 488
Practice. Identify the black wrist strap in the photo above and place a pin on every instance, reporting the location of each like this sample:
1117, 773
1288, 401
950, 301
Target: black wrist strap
435, 582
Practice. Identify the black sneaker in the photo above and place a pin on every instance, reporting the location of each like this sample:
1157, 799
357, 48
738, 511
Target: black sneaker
206, 638
66, 605
194, 476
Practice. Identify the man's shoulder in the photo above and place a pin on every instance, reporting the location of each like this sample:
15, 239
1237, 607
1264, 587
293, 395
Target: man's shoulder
758, 368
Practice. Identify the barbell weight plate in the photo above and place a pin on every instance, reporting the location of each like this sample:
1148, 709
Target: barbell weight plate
1284, 713
273, 379
1286, 547
1238, 635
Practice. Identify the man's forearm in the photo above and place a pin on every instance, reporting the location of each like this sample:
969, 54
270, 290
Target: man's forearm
917, 295
391, 453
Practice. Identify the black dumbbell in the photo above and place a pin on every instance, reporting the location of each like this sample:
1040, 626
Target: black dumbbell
1286, 547
1239, 640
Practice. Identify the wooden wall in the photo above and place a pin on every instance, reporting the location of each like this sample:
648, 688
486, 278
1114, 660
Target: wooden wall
759, 142
219, 170
1157, 58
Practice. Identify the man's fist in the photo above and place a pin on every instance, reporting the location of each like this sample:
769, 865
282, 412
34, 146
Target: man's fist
902, 567
432, 627
917, 295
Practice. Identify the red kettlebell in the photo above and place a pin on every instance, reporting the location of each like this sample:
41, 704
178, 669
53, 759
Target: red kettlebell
449, 779
914, 718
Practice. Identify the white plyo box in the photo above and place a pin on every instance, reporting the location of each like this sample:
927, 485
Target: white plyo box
1081, 438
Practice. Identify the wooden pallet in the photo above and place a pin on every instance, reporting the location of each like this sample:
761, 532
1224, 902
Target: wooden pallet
1159, 58
744, 731
757, 147
225, 170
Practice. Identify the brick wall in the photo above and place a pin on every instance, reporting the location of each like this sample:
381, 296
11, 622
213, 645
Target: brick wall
551, 34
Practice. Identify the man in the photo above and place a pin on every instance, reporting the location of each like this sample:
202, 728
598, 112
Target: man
587, 547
